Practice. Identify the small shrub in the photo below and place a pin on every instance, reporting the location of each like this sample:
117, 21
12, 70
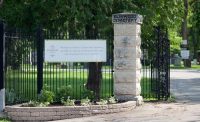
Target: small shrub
85, 102
46, 95
68, 102
35, 104
112, 100
4, 119
102, 102
64, 92
171, 99
88, 94
10, 96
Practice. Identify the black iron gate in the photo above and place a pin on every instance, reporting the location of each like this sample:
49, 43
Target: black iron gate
155, 82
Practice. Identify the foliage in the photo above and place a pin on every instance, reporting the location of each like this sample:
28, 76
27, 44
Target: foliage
88, 93
46, 95
175, 42
64, 92
4, 119
68, 102
85, 102
171, 99
91, 17
35, 104
112, 100
10, 96
194, 24
102, 102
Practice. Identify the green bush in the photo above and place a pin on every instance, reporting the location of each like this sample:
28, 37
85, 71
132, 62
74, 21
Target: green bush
68, 102
10, 96
46, 95
64, 92
102, 102
35, 104
85, 102
112, 100
4, 119
88, 94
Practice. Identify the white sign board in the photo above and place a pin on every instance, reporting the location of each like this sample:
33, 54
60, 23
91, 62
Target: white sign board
185, 54
75, 50
184, 42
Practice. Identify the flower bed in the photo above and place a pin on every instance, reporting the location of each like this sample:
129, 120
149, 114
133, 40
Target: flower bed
17, 113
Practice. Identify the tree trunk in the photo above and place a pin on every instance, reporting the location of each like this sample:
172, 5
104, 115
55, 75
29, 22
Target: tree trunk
94, 78
95, 75
187, 62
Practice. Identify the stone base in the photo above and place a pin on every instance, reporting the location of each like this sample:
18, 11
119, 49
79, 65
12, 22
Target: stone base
2, 99
125, 97
138, 99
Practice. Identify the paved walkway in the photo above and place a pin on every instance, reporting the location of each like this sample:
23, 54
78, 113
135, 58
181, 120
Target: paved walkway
185, 85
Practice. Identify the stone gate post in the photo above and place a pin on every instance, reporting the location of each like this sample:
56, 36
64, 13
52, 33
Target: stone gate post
127, 53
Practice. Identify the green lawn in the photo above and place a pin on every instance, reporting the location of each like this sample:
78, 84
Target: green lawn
147, 88
25, 86
182, 67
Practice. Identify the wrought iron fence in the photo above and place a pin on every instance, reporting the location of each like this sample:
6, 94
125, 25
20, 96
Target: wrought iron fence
26, 72
155, 81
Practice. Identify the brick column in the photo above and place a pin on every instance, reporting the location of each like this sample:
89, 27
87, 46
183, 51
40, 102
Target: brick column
127, 53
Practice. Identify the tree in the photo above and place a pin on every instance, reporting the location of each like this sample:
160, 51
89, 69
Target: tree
91, 18
194, 22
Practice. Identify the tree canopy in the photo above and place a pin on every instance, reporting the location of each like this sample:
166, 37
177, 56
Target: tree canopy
57, 14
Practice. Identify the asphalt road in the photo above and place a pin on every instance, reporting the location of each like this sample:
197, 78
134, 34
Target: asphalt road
185, 86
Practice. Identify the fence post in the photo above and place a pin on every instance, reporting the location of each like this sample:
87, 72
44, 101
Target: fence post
2, 64
127, 54
40, 59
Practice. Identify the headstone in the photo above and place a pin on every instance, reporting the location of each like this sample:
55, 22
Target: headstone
177, 60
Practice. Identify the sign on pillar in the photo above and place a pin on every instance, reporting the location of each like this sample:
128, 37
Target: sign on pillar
127, 54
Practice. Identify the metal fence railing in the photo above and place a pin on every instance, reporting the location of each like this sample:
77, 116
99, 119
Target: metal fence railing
155, 81
26, 72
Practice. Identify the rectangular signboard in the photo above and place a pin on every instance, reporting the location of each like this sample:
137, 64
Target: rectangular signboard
75, 50
185, 54
184, 42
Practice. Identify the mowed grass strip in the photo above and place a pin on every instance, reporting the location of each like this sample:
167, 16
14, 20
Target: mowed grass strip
24, 83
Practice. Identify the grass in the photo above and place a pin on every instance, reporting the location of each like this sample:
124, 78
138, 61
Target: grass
147, 89
24, 83
182, 67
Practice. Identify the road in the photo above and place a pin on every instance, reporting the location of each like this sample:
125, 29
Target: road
185, 86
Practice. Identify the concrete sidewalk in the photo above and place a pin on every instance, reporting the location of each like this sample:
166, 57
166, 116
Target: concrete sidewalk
185, 85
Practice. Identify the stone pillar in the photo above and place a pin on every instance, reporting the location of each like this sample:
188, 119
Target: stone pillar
127, 53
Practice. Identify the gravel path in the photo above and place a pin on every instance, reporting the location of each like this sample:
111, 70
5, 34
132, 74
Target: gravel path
185, 85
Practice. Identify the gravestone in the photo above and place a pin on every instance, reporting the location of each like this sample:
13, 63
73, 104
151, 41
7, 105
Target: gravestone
177, 60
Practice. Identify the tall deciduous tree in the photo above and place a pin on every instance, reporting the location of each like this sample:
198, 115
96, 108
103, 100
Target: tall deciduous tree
90, 17
194, 29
